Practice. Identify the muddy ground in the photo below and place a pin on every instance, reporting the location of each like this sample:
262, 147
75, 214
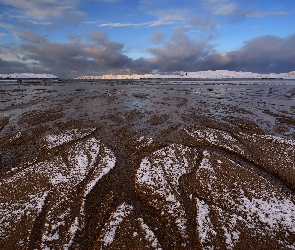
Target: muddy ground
147, 165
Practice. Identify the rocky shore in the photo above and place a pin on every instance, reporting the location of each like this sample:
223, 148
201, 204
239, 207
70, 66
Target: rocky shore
147, 165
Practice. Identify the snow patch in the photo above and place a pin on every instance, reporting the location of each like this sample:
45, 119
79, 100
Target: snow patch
55, 140
160, 173
205, 227
149, 235
115, 220
218, 138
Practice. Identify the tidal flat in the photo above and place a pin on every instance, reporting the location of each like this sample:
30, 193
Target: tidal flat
112, 164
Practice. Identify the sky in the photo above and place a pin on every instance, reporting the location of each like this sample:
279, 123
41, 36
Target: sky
70, 38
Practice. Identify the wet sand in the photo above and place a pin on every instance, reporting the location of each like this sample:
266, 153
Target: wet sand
147, 165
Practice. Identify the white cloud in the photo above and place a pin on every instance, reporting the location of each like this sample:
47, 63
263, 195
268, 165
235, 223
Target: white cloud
45, 9
263, 14
222, 7
124, 24
164, 17
231, 7
6, 26
39, 23
227, 9
108, 1
161, 23
170, 14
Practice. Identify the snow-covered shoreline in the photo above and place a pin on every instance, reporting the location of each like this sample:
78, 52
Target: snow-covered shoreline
17, 76
210, 74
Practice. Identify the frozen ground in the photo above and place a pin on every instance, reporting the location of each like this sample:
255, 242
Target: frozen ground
147, 165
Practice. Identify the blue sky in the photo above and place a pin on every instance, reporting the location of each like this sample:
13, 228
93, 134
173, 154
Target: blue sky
94, 37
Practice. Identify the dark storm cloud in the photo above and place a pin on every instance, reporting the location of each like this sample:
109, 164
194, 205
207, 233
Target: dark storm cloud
263, 55
78, 57
180, 52
62, 59
106, 52
143, 66
8, 67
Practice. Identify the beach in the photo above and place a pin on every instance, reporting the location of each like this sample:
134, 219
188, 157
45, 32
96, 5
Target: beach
134, 164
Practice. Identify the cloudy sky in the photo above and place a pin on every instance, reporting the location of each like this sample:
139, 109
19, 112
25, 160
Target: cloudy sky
70, 38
